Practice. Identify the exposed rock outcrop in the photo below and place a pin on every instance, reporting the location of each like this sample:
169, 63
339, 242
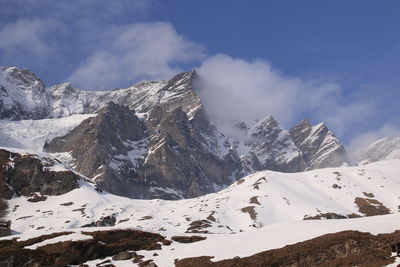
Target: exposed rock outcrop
27, 174
102, 244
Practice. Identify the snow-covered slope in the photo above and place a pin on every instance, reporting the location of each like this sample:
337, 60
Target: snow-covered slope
267, 208
33, 134
258, 200
383, 149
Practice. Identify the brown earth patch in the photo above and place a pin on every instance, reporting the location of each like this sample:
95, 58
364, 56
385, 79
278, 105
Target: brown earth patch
211, 217
198, 226
261, 179
368, 194
329, 215
36, 198
251, 211
67, 204
254, 200
82, 210
147, 217
103, 244
240, 181
371, 207
188, 239
348, 248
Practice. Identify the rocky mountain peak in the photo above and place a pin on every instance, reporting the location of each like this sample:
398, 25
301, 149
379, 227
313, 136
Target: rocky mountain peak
319, 146
386, 148
21, 77
22, 95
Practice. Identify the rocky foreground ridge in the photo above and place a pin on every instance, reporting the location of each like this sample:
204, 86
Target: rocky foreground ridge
155, 139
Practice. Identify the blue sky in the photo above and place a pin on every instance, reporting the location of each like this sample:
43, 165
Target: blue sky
335, 61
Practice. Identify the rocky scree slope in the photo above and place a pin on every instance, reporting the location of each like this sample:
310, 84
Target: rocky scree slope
156, 140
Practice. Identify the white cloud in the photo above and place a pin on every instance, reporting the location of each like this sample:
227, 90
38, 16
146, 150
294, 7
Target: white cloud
27, 38
138, 51
236, 89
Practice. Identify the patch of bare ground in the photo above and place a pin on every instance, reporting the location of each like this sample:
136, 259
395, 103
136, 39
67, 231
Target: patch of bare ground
199, 226
348, 248
188, 239
254, 200
147, 217
103, 244
371, 207
251, 211
328, 215
240, 181
211, 217
368, 194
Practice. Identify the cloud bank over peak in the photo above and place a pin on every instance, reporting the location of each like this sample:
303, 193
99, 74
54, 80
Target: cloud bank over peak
236, 89
141, 51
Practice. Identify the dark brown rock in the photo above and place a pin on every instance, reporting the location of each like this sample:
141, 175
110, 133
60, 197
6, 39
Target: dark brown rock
125, 255
188, 239
27, 174
103, 244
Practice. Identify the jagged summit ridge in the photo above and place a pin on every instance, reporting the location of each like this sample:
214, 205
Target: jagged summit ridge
24, 96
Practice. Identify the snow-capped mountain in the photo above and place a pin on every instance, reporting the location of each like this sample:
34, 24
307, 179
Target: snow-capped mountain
154, 139
383, 149
253, 183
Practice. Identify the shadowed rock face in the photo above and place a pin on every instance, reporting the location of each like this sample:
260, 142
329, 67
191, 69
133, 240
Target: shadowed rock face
181, 155
131, 158
25, 175
100, 146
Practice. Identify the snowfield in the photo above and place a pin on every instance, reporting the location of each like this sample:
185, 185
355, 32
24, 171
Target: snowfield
33, 134
264, 210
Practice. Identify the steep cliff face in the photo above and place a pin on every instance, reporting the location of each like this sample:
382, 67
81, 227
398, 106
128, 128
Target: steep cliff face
106, 148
